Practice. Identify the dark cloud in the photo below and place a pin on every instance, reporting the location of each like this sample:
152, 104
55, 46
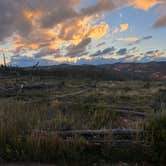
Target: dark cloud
46, 51
122, 51
101, 44
59, 11
108, 50
140, 40
12, 19
151, 52
102, 5
103, 52
54, 17
78, 49
160, 22
133, 50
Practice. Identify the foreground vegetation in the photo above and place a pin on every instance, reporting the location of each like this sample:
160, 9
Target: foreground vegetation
29, 117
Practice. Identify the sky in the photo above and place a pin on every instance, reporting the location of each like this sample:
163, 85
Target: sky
82, 31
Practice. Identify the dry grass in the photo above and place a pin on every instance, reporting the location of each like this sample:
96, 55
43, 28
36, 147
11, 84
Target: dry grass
20, 117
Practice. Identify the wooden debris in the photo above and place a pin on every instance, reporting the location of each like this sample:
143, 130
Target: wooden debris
42, 85
114, 137
132, 113
89, 133
14, 89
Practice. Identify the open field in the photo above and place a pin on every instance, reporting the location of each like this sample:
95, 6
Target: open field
69, 121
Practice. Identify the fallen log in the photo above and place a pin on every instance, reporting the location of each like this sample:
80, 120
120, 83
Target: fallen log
42, 85
132, 113
119, 109
110, 142
128, 108
18, 88
90, 133
100, 132
96, 137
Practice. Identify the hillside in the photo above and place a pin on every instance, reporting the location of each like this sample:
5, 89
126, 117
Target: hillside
118, 71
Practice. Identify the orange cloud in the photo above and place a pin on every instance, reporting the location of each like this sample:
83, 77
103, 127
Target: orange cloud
128, 39
21, 43
70, 25
33, 16
30, 14
67, 59
98, 31
123, 27
144, 4
72, 31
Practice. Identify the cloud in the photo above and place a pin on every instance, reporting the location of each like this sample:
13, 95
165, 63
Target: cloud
73, 31
151, 52
122, 51
44, 26
160, 22
155, 54
101, 44
76, 50
123, 28
144, 4
34, 25
12, 19
110, 5
127, 39
100, 6
140, 40
140, 4
103, 52
46, 51
48, 14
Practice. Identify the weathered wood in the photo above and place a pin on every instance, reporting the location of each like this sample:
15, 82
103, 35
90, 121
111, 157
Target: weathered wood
97, 137
132, 113
42, 85
127, 108
14, 89
120, 110
100, 132
110, 142
90, 133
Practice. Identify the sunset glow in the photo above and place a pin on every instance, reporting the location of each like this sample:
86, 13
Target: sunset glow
69, 31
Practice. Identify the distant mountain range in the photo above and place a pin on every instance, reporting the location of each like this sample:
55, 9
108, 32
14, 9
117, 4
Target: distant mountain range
151, 70
117, 71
